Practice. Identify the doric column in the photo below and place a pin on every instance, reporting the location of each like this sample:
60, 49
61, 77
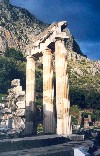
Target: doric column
62, 89
48, 93
30, 111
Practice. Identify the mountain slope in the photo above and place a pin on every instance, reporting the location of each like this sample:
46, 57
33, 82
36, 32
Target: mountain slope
18, 27
84, 79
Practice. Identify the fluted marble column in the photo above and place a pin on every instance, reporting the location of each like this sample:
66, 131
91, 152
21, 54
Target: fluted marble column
62, 89
30, 111
48, 93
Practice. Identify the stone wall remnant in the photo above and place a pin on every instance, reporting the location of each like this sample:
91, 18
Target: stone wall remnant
14, 110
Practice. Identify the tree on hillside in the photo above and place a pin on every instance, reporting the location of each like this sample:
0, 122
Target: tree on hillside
11, 67
15, 54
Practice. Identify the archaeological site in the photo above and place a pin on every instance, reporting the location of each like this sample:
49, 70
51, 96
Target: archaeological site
49, 88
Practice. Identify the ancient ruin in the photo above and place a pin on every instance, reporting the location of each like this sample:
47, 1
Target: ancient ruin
21, 114
13, 112
52, 40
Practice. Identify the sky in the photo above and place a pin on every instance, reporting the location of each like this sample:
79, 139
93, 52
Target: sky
82, 16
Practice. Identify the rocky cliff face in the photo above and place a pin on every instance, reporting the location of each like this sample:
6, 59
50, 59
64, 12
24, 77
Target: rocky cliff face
18, 28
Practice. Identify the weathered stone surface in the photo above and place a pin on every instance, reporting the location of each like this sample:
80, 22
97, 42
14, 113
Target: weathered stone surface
52, 38
30, 142
62, 90
49, 124
20, 104
20, 112
50, 145
47, 37
30, 123
17, 89
3, 44
19, 123
15, 83
13, 115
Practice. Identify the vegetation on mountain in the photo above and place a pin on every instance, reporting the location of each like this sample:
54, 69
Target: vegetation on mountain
11, 67
84, 87
14, 54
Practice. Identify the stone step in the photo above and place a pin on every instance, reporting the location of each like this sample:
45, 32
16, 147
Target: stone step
54, 150
31, 142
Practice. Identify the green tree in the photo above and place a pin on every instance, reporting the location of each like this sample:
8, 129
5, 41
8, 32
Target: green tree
15, 54
11, 69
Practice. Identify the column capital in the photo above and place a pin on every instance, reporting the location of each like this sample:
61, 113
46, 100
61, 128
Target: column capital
47, 51
31, 57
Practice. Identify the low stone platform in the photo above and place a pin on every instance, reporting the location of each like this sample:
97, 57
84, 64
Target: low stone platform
54, 150
76, 137
46, 145
30, 142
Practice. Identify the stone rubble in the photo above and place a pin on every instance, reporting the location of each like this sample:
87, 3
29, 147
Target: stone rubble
12, 119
